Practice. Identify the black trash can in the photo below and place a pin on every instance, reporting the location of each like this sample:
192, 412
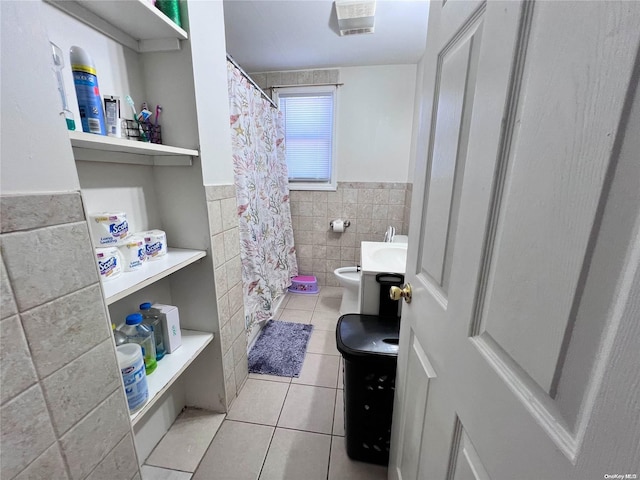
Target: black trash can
369, 346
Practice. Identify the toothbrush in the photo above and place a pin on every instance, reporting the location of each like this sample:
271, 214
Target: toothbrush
155, 127
135, 117
158, 111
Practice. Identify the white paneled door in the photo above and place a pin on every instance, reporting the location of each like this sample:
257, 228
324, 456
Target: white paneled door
520, 352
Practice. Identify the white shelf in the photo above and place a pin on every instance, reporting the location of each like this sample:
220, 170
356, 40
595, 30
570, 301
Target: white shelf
151, 271
172, 366
134, 23
100, 148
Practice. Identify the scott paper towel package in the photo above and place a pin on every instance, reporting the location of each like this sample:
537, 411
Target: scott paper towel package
109, 262
155, 243
133, 253
170, 326
108, 228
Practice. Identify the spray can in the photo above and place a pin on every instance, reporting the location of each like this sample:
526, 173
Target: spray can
87, 91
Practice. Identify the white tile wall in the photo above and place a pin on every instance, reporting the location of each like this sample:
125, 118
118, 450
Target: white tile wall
81, 385
48, 465
370, 207
64, 263
63, 412
90, 440
26, 430
223, 223
18, 372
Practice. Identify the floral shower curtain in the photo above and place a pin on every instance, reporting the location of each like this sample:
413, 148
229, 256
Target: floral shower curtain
262, 191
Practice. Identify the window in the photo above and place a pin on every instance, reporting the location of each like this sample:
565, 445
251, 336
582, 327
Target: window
309, 116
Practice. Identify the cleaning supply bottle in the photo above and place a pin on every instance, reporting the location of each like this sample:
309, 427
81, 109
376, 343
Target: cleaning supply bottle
139, 333
131, 365
153, 318
171, 8
118, 336
87, 91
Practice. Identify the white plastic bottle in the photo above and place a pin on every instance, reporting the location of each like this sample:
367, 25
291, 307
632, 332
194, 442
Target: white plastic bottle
87, 91
141, 334
131, 365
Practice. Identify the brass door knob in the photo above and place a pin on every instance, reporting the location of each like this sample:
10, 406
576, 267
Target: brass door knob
396, 293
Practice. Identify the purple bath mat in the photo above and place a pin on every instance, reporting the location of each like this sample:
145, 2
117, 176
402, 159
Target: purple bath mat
280, 349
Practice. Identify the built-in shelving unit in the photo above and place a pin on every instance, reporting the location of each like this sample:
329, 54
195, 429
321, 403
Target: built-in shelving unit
100, 148
131, 176
152, 271
171, 366
136, 24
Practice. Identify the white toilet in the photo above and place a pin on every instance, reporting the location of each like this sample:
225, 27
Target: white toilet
349, 278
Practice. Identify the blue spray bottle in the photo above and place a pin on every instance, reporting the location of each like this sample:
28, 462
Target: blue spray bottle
87, 91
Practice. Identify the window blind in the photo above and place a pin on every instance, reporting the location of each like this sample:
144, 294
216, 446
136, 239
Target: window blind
308, 135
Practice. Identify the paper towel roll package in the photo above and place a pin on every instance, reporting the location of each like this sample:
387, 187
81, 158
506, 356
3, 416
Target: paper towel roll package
108, 228
109, 262
155, 243
133, 253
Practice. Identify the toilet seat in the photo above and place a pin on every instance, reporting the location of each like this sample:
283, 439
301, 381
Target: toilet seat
349, 278
348, 274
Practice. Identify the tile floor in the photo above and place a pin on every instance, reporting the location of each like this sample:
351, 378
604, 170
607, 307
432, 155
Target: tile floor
280, 428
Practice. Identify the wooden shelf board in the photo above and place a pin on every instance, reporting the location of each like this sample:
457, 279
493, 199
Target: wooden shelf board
172, 366
151, 271
134, 23
90, 141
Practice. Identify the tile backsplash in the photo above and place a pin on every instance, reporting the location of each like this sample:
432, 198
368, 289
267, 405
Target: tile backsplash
295, 77
63, 410
370, 207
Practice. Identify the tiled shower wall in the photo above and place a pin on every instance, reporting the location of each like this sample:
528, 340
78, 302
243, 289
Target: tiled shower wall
370, 207
63, 411
297, 77
223, 223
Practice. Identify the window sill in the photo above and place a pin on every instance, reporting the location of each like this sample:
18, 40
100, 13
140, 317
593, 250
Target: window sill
330, 187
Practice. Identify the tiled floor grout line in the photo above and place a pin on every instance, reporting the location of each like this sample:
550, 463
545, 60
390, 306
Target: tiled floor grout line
173, 469
273, 434
329, 459
289, 384
264, 461
281, 428
206, 449
266, 454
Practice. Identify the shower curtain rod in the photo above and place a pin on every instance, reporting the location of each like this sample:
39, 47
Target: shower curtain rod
246, 75
307, 85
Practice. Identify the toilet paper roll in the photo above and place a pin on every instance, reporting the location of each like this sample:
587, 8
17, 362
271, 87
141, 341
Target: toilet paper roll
109, 262
337, 226
108, 228
133, 253
155, 242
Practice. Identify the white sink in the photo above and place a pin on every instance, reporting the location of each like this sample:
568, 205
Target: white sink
392, 254
379, 257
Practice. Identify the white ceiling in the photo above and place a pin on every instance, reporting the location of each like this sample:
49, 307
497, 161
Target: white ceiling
270, 35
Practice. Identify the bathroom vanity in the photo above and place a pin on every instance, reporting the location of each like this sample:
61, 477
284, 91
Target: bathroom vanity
376, 258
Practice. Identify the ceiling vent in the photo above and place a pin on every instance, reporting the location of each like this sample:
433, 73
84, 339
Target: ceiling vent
355, 17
